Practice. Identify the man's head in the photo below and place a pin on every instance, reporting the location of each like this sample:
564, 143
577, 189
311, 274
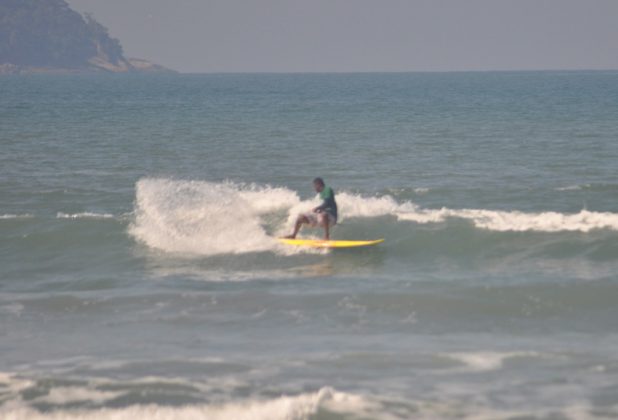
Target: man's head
318, 184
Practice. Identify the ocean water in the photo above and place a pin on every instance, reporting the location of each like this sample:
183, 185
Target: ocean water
140, 277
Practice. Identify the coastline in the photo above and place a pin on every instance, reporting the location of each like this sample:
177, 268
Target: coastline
130, 65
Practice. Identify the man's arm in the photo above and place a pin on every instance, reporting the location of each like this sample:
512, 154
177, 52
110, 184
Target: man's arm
325, 203
320, 208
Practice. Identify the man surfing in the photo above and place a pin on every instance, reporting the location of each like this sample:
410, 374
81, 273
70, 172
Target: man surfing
324, 215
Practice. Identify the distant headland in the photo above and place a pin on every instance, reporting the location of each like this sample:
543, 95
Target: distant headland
47, 36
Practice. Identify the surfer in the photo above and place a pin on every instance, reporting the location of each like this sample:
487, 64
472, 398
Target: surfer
324, 215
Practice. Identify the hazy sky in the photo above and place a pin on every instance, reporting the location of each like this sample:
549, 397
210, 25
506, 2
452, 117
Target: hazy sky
363, 35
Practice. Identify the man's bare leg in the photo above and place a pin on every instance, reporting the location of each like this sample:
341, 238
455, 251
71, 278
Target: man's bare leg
324, 222
299, 222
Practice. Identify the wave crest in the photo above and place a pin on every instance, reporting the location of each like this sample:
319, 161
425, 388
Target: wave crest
296, 407
205, 218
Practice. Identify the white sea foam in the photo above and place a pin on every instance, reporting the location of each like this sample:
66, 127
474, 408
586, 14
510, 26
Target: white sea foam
204, 218
352, 205
453, 399
285, 408
502, 221
68, 395
516, 221
575, 187
16, 216
84, 215
487, 360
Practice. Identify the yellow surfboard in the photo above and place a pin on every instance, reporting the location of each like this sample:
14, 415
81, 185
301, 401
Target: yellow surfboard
321, 243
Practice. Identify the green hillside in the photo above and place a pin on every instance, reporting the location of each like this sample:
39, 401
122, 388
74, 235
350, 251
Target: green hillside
48, 34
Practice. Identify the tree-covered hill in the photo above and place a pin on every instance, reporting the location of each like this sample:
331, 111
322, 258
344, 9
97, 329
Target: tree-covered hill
48, 34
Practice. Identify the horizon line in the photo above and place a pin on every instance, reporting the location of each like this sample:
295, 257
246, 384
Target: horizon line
571, 70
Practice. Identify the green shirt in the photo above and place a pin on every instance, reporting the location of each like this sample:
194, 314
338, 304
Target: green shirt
329, 205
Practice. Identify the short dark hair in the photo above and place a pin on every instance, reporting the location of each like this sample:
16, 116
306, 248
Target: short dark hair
318, 180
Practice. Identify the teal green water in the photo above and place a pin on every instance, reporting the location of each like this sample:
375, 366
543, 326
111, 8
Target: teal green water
140, 277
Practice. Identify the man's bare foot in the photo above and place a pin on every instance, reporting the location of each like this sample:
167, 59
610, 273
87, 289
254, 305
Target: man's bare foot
290, 237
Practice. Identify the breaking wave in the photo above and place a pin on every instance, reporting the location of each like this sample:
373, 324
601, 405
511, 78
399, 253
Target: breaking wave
206, 218
85, 215
298, 407
15, 216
